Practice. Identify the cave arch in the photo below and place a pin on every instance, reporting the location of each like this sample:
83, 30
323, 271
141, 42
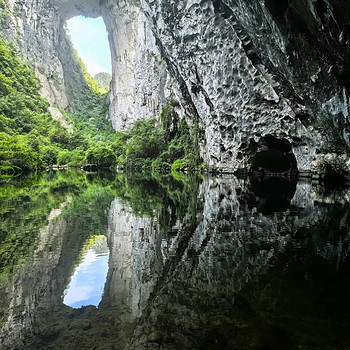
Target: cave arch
126, 30
71, 8
274, 156
89, 38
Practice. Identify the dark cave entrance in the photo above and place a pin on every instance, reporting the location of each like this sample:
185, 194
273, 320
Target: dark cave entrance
277, 8
321, 8
274, 156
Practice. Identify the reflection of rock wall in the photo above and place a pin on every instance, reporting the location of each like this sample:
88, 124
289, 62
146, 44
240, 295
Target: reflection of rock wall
134, 260
231, 245
31, 284
175, 291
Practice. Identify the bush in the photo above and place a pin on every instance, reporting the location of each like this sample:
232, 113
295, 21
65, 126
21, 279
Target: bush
58, 134
100, 155
64, 157
17, 154
49, 155
146, 141
78, 157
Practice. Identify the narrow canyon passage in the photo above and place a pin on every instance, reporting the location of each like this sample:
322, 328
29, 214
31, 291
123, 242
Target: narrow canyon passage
193, 192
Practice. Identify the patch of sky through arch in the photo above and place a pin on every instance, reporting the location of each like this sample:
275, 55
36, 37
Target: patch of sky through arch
90, 39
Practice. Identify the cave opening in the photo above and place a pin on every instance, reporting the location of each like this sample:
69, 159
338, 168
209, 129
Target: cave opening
274, 156
277, 8
90, 40
321, 8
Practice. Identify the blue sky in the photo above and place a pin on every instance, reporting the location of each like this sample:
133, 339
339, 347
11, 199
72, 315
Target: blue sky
87, 284
90, 39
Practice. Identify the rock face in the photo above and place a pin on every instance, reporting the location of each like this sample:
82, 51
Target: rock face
267, 81
138, 88
257, 74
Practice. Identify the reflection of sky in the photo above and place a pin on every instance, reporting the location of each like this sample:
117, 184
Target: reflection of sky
87, 283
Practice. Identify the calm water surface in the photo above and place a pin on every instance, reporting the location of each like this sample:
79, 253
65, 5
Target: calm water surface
108, 261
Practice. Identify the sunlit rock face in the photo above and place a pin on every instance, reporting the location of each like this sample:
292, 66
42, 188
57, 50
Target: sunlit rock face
34, 27
139, 86
244, 71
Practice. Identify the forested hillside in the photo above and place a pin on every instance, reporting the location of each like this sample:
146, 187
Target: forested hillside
29, 138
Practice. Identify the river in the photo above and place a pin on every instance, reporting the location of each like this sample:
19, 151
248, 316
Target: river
110, 261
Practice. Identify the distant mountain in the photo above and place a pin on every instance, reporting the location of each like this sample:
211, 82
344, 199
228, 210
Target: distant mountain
103, 79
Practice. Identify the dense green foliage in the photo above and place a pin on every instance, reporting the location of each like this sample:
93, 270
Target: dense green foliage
147, 147
25, 120
30, 139
103, 80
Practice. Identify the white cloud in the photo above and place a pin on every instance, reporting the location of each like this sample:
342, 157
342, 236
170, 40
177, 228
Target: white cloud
90, 39
92, 67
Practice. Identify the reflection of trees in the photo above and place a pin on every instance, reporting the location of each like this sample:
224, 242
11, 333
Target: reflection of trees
100, 245
45, 237
192, 266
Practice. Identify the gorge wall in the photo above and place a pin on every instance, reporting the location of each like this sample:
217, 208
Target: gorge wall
267, 81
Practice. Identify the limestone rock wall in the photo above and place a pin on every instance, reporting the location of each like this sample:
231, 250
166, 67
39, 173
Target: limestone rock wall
244, 71
249, 69
33, 27
139, 84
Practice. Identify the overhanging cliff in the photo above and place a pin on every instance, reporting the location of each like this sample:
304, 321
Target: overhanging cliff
267, 81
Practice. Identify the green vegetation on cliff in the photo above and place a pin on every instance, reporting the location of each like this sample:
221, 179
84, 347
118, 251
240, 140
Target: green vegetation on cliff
25, 121
171, 147
29, 138
103, 80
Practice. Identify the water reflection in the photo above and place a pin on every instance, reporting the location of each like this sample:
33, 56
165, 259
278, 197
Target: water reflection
272, 193
211, 264
87, 283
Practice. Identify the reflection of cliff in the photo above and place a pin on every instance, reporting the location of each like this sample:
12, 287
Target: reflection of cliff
135, 259
199, 297
216, 280
22, 293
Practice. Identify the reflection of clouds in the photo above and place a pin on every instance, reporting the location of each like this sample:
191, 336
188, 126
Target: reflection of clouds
87, 283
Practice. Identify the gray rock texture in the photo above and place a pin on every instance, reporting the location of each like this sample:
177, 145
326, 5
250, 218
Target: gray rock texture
251, 69
267, 81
